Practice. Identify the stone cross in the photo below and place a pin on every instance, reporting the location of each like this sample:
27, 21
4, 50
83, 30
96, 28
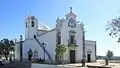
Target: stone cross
70, 9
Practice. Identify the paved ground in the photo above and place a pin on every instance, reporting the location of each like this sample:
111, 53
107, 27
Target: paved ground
77, 65
16, 64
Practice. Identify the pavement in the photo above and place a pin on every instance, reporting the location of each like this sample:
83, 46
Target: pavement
77, 65
16, 64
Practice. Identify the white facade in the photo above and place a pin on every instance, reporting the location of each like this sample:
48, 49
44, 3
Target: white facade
67, 31
31, 26
90, 48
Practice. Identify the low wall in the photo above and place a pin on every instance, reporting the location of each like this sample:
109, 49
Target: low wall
36, 65
114, 61
111, 61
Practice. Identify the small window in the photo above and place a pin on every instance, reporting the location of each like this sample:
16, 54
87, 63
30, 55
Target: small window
32, 23
72, 39
26, 24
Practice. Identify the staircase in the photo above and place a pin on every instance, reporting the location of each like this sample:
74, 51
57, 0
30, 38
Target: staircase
44, 49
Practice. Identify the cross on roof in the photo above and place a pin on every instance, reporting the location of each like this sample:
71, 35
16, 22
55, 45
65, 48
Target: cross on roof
70, 9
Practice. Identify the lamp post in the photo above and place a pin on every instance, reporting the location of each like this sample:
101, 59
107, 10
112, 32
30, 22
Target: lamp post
44, 45
20, 47
84, 55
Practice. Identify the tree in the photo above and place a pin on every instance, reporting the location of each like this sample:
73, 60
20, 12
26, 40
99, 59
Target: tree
109, 54
6, 46
113, 27
60, 51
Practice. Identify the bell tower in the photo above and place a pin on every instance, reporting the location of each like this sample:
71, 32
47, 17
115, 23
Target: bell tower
31, 26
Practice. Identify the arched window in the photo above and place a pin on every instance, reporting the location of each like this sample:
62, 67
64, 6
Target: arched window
59, 38
32, 23
72, 36
35, 54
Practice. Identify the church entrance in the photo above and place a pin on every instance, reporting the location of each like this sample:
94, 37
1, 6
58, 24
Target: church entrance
88, 57
30, 54
72, 56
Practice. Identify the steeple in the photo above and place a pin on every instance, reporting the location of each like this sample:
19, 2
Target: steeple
31, 26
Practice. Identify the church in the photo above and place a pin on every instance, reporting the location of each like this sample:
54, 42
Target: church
42, 42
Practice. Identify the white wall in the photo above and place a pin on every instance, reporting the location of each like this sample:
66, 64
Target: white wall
50, 40
78, 37
17, 51
31, 43
90, 46
29, 30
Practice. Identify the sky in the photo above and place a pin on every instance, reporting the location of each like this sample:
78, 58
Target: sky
93, 13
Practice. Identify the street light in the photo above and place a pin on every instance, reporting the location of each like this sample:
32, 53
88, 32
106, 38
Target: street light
20, 47
84, 55
44, 45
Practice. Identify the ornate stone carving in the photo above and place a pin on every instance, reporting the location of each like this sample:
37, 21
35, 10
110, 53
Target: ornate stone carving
72, 32
72, 23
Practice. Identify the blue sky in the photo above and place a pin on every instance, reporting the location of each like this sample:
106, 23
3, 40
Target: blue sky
93, 13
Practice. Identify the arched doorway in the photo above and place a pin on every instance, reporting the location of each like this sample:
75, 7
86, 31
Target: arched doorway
35, 54
30, 54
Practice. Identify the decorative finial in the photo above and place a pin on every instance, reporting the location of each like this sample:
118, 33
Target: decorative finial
70, 9
21, 38
15, 40
29, 15
57, 19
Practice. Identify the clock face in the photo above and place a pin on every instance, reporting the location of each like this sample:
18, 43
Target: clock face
72, 23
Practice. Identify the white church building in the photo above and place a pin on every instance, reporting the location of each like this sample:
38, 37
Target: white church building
67, 31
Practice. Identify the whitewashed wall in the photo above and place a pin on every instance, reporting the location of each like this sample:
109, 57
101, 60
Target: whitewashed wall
50, 39
31, 43
90, 46
17, 51
29, 30
78, 36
